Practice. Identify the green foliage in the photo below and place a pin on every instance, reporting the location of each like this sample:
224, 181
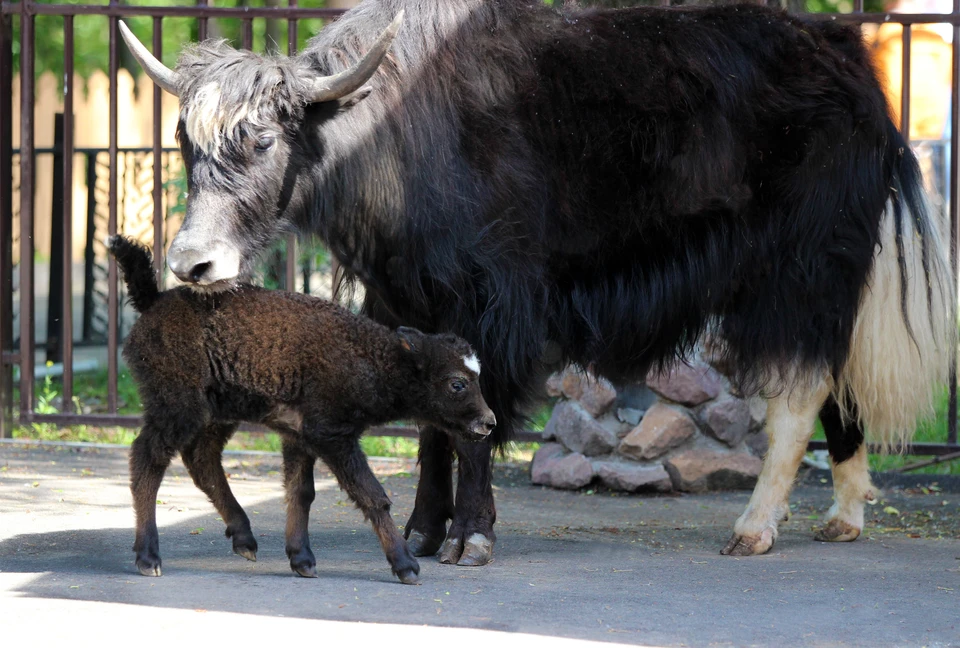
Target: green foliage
92, 34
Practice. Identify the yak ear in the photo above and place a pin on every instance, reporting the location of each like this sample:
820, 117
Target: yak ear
346, 103
411, 340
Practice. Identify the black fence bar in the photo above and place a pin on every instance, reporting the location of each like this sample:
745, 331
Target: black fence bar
27, 168
905, 82
113, 309
201, 11
56, 292
202, 24
291, 281
158, 251
66, 329
6, 224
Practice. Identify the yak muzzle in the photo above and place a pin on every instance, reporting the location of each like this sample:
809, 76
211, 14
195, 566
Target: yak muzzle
203, 266
484, 425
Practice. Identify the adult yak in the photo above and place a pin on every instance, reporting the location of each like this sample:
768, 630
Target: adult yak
597, 187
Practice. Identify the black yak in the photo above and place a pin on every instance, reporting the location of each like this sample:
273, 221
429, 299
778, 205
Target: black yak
598, 187
317, 373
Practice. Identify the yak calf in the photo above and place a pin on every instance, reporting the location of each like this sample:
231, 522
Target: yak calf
305, 367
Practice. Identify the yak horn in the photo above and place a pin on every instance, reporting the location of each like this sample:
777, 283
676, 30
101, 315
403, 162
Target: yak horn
160, 73
343, 83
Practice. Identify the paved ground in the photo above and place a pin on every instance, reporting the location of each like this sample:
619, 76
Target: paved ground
570, 569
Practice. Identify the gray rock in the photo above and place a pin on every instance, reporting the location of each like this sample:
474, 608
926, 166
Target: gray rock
728, 419
759, 443
702, 470
553, 467
663, 428
687, 384
632, 477
572, 425
629, 415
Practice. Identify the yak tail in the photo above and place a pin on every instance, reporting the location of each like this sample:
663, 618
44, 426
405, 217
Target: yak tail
136, 264
905, 332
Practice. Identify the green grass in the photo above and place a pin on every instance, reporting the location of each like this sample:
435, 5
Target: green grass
90, 398
932, 431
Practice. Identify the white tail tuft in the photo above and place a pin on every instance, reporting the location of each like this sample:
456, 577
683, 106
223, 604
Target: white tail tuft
893, 378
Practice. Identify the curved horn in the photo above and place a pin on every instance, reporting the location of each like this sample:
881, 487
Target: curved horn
343, 83
160, 73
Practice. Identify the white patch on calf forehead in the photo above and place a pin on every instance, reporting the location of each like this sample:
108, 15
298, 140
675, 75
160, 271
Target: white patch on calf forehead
471, 363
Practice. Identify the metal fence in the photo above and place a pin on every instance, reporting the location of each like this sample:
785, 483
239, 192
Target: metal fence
18, 345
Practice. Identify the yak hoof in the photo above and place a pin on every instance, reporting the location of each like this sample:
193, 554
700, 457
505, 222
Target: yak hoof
837, 530
307, 571
451, 551
246, 552
746, 545
477, 551
409, 576
148, 568
421, 545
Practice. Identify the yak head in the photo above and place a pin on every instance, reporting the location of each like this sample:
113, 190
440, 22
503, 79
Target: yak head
239, 130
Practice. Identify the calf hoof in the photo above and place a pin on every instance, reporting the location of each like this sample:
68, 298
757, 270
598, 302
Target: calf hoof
475, 552
423, 545
303, 562
750, 545
149, 566
245, 546
837, 530
305, 570
409, 575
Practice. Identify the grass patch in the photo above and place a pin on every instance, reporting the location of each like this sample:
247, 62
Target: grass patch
932, 431
90, 398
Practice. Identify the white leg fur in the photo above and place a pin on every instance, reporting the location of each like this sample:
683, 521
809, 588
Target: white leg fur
851, 489
790, 419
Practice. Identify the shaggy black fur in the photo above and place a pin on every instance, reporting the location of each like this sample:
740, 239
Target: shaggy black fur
317, 373
589, 186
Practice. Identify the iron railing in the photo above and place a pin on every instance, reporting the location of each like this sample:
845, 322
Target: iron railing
23, 354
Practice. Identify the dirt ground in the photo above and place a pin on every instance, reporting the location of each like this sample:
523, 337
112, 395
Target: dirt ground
571, 568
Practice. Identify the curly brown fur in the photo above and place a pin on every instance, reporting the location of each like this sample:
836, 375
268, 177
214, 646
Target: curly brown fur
310, 369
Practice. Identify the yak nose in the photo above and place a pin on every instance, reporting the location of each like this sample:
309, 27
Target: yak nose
210, 264
190, 266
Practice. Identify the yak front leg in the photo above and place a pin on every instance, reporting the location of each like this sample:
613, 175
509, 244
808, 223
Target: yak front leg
203, 458
348, 463
471, 538
427, 526
790, 420
300, 492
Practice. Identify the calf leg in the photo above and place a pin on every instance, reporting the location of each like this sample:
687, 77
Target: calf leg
471, 537
299, 486
790, 419
348, 463
427, 525
150, 454
203, 458
851, 477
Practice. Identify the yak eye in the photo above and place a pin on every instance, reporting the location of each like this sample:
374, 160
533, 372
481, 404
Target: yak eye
457, 385
265, 142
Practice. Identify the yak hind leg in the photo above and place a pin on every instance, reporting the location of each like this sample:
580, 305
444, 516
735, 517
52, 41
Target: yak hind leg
471, 538
790, 419
852, 487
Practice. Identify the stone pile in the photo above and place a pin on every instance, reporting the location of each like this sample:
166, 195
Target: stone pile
682, 430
